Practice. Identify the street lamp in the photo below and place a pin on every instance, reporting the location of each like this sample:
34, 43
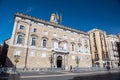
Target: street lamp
77, 59
16, 61
51, 60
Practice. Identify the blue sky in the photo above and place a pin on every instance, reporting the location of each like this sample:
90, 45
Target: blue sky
79, 14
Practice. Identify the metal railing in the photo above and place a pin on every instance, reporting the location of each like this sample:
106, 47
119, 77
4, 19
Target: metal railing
88, 69
75, 69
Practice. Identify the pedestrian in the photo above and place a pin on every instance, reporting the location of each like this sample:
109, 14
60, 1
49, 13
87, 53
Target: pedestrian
70, 68
118, 65
108, 68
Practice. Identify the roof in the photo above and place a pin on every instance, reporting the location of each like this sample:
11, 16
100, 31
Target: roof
112, 36
95, 29
38, 20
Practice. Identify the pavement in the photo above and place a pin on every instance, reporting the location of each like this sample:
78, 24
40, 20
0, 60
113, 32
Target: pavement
62, 75
68, 73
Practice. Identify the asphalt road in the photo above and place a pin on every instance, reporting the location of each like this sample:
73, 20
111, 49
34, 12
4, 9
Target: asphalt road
97, 75
113, 76
70, 76
50, 78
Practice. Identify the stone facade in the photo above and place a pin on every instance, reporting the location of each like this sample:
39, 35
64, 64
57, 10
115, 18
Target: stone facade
38, 43
0, 54
104, 49
0, 49
99, 48
113, 50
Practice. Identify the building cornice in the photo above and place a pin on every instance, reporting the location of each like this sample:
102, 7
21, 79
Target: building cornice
95, 29
38, 20
112, 36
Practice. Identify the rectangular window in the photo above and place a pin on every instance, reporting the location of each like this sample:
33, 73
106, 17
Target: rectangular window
54, 44
34, 30
65, 46
21, 27
17, 53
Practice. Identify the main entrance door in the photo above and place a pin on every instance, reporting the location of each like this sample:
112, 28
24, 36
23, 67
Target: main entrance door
59, 62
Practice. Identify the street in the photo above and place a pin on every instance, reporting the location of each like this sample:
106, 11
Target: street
102, 75
64, 75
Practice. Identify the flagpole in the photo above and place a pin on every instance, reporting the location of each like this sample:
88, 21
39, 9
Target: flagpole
60, 18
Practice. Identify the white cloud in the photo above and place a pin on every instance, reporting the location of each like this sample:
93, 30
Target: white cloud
29, 9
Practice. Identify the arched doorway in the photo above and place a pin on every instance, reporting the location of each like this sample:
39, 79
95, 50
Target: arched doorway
59, 62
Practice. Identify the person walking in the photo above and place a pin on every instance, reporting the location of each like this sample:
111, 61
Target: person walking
70, 68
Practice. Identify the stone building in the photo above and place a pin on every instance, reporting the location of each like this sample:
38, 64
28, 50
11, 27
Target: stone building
43, 44
113, 40
0, 54
0, 49
99, 48
118, 45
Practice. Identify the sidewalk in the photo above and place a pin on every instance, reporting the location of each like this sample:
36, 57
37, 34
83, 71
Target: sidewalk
24, 75
68, 73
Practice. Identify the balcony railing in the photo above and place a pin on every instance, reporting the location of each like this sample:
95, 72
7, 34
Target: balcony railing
105, 59
61, 50
115, 50
116, 55
96, 59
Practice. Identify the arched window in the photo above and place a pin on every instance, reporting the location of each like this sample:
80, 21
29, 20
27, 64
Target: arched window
79, 48
34, 41
54, 43
73, 46
44, 43
65, 45
86, 46
35, 30
20, 39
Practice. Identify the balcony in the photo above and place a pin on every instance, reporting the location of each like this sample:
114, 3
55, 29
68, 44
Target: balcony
96, 59
60, 50
105, 59
116, 55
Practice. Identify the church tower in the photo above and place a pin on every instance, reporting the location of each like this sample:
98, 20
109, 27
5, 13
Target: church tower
53, 18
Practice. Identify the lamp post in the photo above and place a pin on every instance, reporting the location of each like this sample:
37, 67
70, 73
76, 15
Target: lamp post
16, 61
51, 60
94, 63
77, 59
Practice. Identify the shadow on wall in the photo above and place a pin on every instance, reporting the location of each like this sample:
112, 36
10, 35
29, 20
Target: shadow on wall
5, 61
8, 63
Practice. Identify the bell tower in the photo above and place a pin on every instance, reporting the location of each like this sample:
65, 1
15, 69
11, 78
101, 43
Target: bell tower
53, 18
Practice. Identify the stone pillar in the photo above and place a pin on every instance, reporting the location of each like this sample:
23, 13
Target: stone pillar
54, 61
27, 34
66, 62
13, 33
101, 64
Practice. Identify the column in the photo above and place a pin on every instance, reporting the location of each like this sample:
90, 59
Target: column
54, 57
13, 33
27, 34
66, 62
